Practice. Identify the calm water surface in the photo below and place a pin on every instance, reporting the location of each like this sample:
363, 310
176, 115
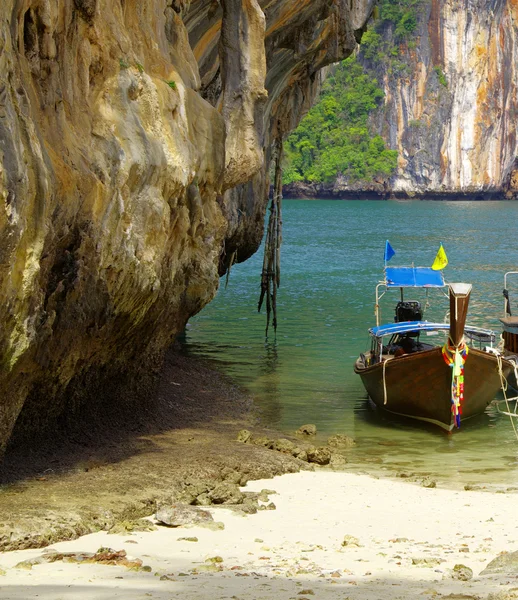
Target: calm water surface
332, 258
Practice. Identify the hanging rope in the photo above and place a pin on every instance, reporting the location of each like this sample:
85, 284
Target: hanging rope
504, 384
271, 273
232, 261
455, 357
385, 397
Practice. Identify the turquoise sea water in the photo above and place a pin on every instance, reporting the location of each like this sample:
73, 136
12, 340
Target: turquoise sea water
332, 258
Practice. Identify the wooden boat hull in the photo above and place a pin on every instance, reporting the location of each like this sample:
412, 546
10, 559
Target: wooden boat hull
418, 385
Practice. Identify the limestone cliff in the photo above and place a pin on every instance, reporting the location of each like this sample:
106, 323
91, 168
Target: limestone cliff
451, 102
134, 144
451, 106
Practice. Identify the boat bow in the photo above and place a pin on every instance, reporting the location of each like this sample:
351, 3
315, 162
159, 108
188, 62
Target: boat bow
459, 301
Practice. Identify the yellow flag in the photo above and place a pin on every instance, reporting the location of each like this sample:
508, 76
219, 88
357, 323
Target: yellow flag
441, 260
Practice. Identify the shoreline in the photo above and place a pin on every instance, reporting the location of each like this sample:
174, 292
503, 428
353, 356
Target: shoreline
112, 476
309, 191
332, 535
318, 532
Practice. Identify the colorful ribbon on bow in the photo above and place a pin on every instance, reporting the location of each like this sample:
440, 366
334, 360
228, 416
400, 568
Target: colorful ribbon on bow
455, 357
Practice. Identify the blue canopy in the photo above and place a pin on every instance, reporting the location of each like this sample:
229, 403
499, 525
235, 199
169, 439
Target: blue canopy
413, 277
409, 326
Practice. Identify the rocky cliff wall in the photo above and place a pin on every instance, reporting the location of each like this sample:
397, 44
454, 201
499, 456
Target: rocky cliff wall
450, 107
452, 110
134, 144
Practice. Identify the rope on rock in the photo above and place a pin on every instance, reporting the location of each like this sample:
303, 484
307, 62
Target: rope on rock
271, 273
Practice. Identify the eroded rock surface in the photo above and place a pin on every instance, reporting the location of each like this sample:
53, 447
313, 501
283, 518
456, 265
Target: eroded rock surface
452, 111
450, 106
134, 152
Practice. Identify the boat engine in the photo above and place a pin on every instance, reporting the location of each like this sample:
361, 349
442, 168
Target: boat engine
408, 311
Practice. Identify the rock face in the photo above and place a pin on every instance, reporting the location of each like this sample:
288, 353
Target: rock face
134, 146
452, 109
451, 106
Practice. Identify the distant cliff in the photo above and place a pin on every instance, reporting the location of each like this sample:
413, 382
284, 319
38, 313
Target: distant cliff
134, 149
451, 102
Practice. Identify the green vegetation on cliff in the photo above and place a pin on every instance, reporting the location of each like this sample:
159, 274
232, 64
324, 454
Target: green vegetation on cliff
334, 138
402, 15
394, 29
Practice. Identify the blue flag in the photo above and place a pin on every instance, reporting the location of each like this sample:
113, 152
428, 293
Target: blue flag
389, 251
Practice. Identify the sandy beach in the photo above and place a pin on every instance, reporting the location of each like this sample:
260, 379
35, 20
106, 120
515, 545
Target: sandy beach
331, 535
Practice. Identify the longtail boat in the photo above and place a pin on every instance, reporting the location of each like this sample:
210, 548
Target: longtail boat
444, 382
509, 322
510, 333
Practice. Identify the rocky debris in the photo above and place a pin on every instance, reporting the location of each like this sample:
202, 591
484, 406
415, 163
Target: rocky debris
182, 515
202, 492
244, 436
28, 564
472, 487
351, 542
214, 559
202, 500
212, 568
226, 493
103, 556
123, 527
322, 455
504, 563
187, 539
341, 441
503, 595
427, 562
263, 441
284, 445
192, 491
462, 573
231, 475
319, 456
427, 482
302, 455
309, 429
54, 526
338, 461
